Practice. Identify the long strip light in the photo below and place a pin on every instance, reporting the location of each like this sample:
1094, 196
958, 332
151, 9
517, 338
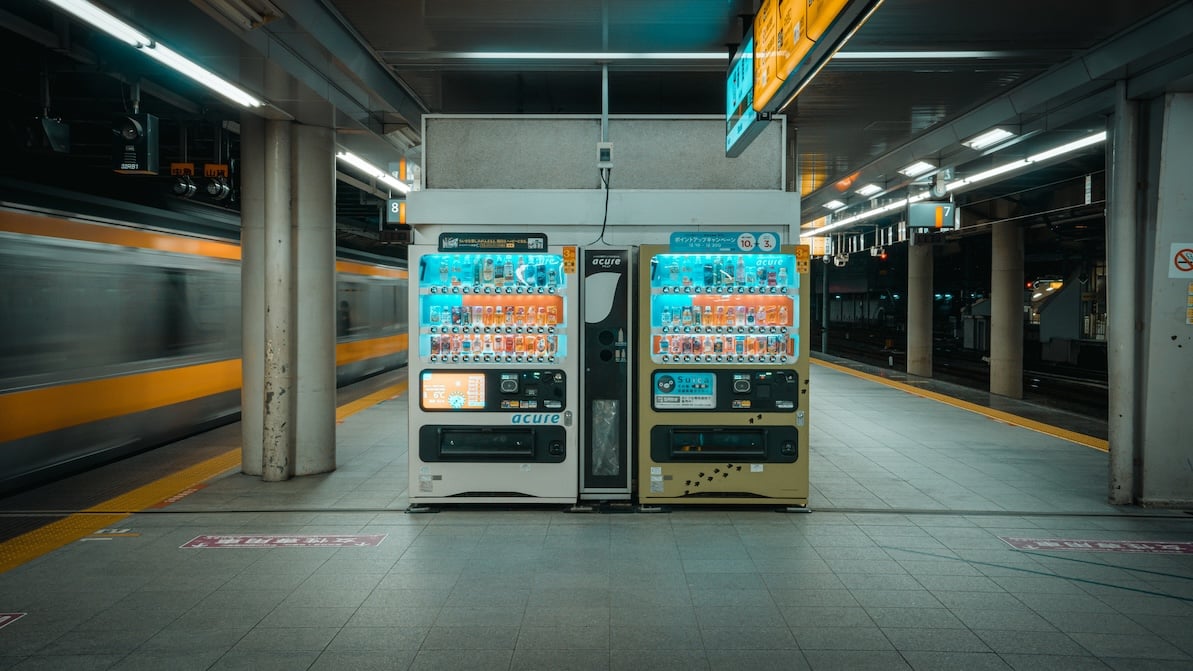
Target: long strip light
589, 55
1048, 154
373, 171
89, 13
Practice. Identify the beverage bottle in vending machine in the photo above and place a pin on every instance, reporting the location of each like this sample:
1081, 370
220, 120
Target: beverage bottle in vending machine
487, 270
507, 270
739, 276
782, 279
783, 315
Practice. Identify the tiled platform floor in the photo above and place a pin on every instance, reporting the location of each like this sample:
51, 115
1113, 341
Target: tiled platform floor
899, 567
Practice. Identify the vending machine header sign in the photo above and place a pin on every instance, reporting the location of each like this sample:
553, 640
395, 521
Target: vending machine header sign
723, 243
492, 242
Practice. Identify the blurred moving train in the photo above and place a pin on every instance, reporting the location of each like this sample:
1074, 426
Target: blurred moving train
116, 337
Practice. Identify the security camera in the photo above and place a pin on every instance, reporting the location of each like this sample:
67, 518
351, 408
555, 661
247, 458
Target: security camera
840, 260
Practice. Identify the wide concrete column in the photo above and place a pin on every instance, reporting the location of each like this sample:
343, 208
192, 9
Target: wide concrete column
1165, 476
252, 291
919, 309
1123, 297
278, 428
313, 175
1006, 311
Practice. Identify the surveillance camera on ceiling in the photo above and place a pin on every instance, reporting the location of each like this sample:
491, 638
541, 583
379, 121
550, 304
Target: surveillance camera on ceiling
840, 260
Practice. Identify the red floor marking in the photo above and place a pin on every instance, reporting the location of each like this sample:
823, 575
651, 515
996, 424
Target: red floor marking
287, 541
1065, 544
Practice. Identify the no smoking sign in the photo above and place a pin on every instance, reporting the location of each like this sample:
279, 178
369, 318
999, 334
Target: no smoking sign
1180, 262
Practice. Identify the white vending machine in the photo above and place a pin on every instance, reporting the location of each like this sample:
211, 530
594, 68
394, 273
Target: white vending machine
494, 370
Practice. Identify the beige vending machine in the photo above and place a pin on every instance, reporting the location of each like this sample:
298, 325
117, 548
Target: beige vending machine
723, 371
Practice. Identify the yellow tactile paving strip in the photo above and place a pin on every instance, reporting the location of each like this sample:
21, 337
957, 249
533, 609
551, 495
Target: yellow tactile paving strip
999, 415
33, 544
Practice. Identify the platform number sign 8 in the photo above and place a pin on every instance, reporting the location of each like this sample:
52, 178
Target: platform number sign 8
393, 214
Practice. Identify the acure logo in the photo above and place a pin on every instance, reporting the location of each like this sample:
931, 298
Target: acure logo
606, 261
536, 418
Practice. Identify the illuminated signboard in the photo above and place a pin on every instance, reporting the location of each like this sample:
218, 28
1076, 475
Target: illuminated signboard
794, 39
453, 391
742, 123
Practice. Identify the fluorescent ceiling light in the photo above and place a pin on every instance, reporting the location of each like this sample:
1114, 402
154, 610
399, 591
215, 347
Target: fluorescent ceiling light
590, 55
918, 168
869, 190
1045, 155
97, 17
915, 55
373, 171
232, 92
117, 28
989, 138
1048, 154
834, 205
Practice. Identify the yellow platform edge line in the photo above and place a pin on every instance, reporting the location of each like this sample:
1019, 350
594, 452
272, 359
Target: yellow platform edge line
29, 546
1022, 422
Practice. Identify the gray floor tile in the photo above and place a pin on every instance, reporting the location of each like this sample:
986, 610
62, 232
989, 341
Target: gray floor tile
1137, 647
72, 662
179, 638
658, 660
922, 660
840, 638
850, 660
594, 637
756, 660
378, 639
655, 637
923, 618
885, 598
286, 639
1031, 642
467, 617
461, 660
935, 640
257, 660
827, 616
1020, 662
337, 660
470, 637
747, 638
1093, 623
405, 616
559, 660
156, 661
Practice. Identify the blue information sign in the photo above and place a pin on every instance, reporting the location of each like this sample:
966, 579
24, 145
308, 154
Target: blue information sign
727, 243
741, 121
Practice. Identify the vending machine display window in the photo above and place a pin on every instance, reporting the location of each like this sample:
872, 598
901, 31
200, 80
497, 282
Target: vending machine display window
452, 391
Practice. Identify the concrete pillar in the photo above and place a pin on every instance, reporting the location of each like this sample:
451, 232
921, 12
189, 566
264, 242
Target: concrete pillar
315, 338
1006, 311
1123, 297
278, 433
1165, 469
919, 309
252, 291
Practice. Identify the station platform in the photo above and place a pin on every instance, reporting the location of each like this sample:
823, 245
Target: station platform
946, 533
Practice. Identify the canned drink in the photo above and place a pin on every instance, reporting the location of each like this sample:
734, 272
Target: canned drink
662, 345
498, 344
456, 318
434, 345
552, 315
552, 277
509, 344
552, 344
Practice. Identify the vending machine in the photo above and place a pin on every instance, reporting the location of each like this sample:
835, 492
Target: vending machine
723, 375
494, 370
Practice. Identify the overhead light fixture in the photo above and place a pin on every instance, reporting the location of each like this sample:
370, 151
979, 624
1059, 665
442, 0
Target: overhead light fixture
588, 55
1046, 155
373, 171
89, 13
834, 205
869, 190
918, 168
97, 17
917, 55
173, 59
988, 139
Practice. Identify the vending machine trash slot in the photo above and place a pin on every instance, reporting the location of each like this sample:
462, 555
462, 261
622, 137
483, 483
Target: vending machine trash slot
772, 444
491, 444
